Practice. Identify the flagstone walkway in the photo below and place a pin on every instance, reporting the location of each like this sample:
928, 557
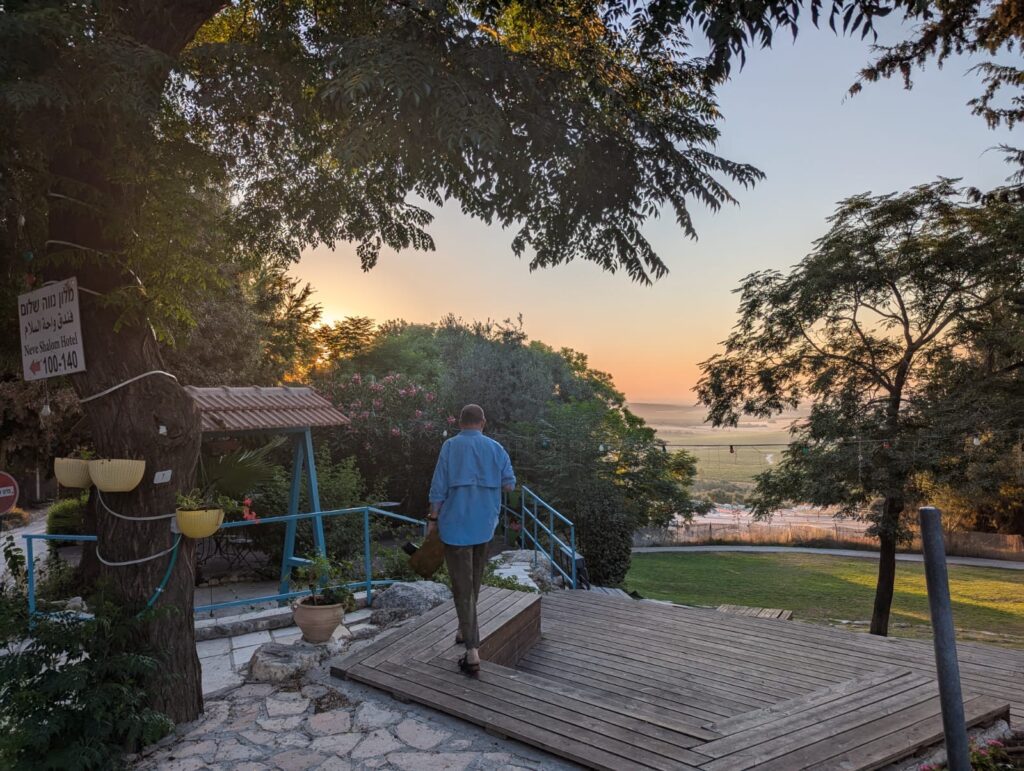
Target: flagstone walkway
332, 725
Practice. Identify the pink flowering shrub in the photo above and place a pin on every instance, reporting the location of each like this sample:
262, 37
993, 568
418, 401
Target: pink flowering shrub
395, 431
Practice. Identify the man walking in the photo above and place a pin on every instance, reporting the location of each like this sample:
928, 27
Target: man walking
465, 498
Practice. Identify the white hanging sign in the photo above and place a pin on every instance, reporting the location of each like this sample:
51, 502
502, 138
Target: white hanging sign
51, 331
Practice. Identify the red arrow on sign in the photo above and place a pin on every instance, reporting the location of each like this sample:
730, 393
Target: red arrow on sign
34, 367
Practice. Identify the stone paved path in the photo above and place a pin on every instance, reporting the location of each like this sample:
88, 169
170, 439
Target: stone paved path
332, 725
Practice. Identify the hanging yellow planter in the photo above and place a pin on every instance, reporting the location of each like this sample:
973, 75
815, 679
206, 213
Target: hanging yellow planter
117, 475
199, 523
72, 472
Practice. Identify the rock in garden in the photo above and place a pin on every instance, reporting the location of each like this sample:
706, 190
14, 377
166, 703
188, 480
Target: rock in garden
274, 662
401, 601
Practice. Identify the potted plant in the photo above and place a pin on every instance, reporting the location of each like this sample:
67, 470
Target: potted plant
323, 611
73, 471
199, 514
116, 475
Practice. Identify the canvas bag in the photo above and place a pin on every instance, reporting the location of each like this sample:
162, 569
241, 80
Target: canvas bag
429, 557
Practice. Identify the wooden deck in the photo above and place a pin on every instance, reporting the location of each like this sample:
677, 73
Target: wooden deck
744, 610
617, 684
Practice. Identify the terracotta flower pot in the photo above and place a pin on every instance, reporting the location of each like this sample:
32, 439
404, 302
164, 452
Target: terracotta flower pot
199, 523
72, 472
318, 622
116, 475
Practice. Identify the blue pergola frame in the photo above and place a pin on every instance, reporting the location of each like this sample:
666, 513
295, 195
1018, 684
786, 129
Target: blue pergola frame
304, 459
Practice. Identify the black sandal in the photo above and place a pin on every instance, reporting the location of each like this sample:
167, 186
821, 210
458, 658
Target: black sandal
473, 670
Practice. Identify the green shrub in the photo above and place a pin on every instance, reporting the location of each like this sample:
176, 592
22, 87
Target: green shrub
14, 581
391, 563
341, 487
325, 580
604, 536
75, 696
67, 516
56, 580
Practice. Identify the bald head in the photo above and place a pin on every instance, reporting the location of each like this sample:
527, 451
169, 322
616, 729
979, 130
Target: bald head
472, 416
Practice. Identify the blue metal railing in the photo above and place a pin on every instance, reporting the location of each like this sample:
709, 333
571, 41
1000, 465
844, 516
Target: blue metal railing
367, 583
535, 535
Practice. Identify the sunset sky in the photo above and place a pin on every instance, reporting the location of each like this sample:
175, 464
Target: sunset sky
787, 113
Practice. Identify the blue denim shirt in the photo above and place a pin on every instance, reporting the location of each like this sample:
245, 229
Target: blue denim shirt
470, 473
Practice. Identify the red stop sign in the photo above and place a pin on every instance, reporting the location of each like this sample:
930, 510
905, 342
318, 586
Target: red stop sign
8, 492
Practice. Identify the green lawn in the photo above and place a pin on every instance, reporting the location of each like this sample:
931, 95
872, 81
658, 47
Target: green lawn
988, 604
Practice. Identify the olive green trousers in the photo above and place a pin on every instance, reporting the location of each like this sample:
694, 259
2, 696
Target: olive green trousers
466, 568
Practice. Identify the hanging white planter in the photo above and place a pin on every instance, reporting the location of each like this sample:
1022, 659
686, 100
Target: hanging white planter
72, 472
117, 475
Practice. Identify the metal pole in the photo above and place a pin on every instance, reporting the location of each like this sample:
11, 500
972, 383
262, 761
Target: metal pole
31, 576
954, 725
572, 535
367, 561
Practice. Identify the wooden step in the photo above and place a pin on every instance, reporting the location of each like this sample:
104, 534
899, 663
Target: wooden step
745, 610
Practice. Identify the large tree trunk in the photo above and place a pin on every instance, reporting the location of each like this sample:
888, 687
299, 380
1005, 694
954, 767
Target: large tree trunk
151, 419
892, 508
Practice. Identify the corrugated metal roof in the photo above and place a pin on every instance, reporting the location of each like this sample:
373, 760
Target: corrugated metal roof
255, 408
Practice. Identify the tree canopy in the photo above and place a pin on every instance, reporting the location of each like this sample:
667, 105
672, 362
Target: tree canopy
989, 31
169, 153
857, 331
568, 429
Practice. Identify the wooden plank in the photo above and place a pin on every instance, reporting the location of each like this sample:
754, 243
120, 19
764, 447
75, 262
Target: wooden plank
545, 737
659, 724
822, 739
615, 683
750, 686
520, 632
891, 726
580, 708
908, 741
599, 735
505, 620
814, 700
661, 702
667, 641
709, 655
390, 636
409, 637
856, 649
718, 700
744, 610
442, 640
516, 644
970, 655
444, 624
723, 688
725, 649
707, 634
779, 733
